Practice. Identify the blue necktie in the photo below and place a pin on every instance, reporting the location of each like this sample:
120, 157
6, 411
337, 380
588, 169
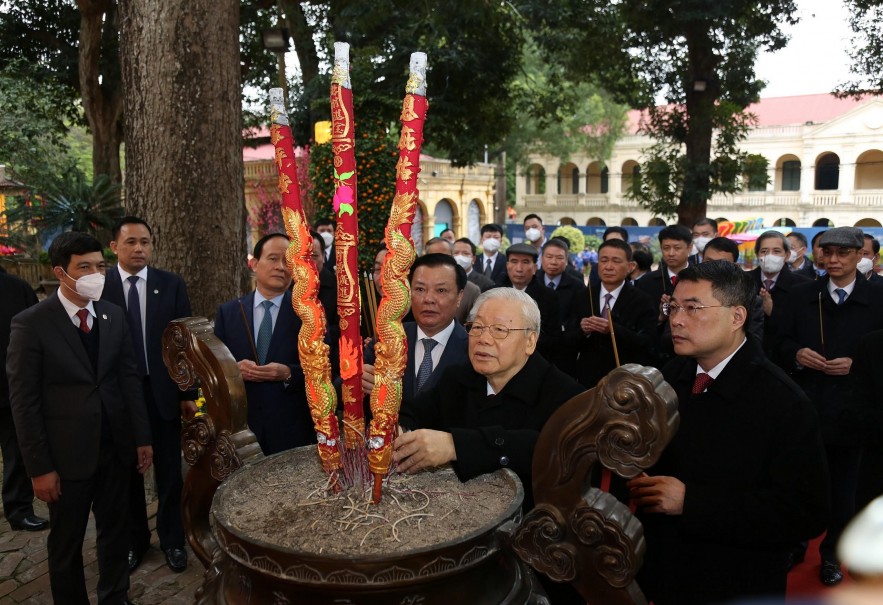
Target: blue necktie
425, 365
265, 333
841, 294
133, 313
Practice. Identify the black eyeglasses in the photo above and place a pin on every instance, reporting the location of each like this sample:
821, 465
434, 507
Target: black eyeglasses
498, 331
671, 309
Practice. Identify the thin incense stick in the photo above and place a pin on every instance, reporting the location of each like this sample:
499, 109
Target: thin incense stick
612, 335
822, 326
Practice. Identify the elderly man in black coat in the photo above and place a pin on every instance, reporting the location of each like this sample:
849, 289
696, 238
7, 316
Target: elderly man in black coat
744, 478
487, 414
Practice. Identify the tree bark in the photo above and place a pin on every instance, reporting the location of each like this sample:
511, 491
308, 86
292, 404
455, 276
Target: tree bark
700, 125
183, 124
99, 78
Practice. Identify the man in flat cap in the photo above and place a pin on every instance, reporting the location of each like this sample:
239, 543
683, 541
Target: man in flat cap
521, 271
819, 327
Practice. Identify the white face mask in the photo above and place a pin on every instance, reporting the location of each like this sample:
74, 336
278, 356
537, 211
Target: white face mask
865, 265
89, 286
533, 234
792, 257
771, 263
329, 239
700, 243
491, 245
464, 261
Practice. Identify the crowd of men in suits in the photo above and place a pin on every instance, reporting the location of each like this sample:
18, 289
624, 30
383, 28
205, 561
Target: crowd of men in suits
771, 432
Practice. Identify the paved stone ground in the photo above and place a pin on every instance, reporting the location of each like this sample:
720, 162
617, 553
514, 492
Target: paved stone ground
24, 577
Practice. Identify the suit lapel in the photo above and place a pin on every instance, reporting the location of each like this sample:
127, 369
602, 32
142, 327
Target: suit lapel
65, 327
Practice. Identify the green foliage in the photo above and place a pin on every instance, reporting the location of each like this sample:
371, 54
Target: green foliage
71, 203
376, 156
33, 126
866, 49
558, 116
574, 236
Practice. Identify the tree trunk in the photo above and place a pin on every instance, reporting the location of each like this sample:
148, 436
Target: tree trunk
100, 90
700, 125
183, 124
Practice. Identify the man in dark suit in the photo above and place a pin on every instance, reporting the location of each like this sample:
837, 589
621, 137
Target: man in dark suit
152, 298
491, 263
436, 339
632, 313
76, 398
744, 476
797, 260
704, 230
261, 331
325, 228
613, 232
573, 303
819, 327
464, 254
773, 281
18, 495
870, 258
327, 286
675, 241
521, 270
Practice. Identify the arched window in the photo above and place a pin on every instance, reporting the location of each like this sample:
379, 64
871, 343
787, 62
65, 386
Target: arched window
596, 221
629, 222
828, 172
784, 222
869, 170
444, 217
822, 222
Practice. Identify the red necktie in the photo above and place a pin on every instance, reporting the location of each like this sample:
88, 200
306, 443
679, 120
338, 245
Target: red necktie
674, 280
84, 325
703, 381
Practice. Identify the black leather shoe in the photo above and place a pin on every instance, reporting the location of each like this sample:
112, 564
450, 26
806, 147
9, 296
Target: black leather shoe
795, 557
830, 573
135, 557
176, 559
29, 523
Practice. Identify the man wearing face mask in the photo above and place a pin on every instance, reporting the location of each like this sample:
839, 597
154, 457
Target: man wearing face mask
870, 257
817, 257
325, 228
797, 261
464, 254
704, 230
773, 284
76, 398
535, 235
491, 262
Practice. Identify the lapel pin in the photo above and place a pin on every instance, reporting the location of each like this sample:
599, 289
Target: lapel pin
156, 291
104, 316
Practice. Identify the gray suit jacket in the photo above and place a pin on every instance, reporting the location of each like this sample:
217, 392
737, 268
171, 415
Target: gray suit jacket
57, 398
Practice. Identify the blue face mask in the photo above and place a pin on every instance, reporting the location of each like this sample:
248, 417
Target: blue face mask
821, 272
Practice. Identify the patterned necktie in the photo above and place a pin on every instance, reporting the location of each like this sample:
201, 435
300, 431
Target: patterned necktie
133, 314
265, 333
605, 308
841, 294
551, 285
768, 284
84, 324
425, 365
703, 381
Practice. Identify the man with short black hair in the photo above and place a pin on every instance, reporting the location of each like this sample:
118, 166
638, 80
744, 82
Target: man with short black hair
773, 284
819, 326
631, 312
448, 234
870, 257
76, 398
615, 231
744, 476
704, 230
464, 254
817, 257
261, 331
534, 231
435, 338
675, 241
471, 292
573, 302
797, 260
325, 228
491, 263
152, 299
